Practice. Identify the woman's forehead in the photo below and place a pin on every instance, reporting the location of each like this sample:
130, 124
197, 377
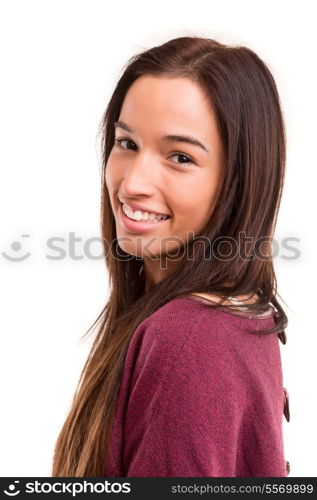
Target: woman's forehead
169, 106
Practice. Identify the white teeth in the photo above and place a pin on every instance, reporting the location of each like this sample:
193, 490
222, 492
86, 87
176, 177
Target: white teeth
145, 216
137, 215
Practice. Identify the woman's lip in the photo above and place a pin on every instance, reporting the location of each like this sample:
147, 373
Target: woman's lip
138, 226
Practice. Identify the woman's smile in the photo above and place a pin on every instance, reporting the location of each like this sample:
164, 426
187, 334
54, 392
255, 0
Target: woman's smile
139, 226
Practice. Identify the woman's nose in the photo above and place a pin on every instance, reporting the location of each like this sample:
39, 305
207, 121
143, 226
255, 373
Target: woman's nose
141, 175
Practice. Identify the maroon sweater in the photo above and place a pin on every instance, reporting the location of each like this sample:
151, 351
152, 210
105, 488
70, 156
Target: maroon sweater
200, 397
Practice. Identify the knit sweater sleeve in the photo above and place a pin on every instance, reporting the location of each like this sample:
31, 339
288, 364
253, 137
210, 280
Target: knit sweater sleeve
201, 405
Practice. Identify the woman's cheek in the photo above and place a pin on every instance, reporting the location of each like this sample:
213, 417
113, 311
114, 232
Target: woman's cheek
112, 172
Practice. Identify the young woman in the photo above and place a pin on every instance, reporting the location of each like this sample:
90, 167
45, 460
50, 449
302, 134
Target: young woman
184, 377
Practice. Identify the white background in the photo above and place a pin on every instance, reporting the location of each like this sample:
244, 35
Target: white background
60, 60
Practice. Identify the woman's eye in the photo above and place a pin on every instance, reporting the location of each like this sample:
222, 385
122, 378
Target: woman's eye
184, 159
120, 141
187, 159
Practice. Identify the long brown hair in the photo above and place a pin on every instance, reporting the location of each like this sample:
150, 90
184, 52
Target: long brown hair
243, 94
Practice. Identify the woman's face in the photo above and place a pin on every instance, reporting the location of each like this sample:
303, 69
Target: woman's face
150, 168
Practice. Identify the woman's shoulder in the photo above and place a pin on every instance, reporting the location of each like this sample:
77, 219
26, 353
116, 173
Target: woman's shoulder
169, 333
180, 316
186, 324
197, 310
183, 339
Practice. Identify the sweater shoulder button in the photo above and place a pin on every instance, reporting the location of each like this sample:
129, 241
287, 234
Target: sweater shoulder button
288, 468
286, 410
282, 336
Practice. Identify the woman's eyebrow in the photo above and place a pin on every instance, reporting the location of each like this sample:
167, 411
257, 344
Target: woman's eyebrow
171, 137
